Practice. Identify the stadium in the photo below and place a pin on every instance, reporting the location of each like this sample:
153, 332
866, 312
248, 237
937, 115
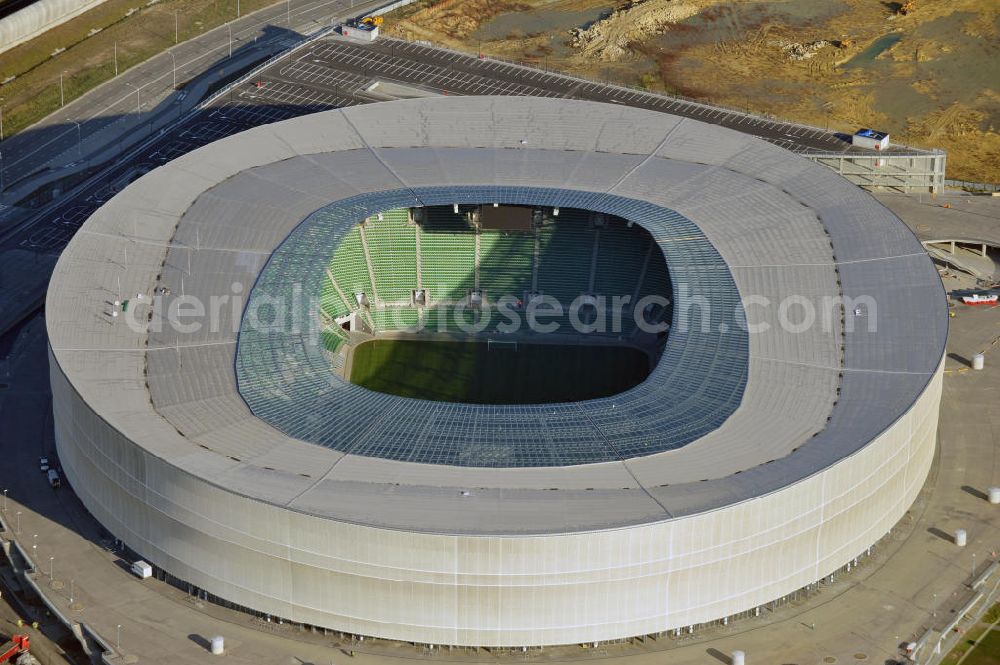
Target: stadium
267, 362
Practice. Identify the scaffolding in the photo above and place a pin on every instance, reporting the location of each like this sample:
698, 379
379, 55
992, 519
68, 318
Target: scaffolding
917, 171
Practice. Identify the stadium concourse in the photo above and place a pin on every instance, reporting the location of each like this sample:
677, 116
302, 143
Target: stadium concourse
760, 455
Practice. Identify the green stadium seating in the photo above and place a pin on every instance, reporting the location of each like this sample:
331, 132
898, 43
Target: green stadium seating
566, 245
447, 255
657, 279
333, 338
620, 255
443, 319
394, 318
505, 264
350, 267
447, 266
331, 302
392, 246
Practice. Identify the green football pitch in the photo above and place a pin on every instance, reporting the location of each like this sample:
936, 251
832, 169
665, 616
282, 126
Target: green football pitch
481, 373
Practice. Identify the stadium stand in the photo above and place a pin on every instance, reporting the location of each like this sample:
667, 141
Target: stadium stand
447, 254
656, 281
622, 251
331, 302
394, 318
333, 338
505, 264
566, 244
350, 267
447, 266
392, 247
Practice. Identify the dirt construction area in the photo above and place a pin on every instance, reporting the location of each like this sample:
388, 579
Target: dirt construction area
924, 70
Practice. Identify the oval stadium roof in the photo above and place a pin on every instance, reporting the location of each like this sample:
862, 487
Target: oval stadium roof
724, 417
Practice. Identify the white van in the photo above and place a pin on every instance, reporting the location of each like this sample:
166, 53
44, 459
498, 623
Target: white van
142, 570
54, 478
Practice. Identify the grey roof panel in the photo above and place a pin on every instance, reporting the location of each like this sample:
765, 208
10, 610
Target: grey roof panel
782, 225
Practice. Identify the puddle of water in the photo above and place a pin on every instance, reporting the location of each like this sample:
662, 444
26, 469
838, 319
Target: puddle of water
728, 22
961, 75
868, 55
541, 19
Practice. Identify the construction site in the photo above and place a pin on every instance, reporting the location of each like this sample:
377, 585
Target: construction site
924, 71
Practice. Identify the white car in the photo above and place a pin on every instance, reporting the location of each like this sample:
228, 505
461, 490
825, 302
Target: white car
43, 464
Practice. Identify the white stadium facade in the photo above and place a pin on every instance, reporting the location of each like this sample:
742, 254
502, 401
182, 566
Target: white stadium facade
753, 461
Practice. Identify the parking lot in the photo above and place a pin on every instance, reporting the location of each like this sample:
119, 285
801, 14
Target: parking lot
459, 73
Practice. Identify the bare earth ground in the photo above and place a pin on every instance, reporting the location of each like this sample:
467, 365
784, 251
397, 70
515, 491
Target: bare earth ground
930, 77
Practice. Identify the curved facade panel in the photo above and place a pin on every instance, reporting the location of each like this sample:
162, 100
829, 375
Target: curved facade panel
829, 444
499, 590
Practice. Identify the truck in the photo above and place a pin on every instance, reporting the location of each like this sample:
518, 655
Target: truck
142, 570
18, 645
871, 139
54, 479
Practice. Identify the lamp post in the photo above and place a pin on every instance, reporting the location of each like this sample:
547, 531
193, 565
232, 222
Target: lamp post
136, 96
51, 561
174, 61
176, 32
79, 139
1, 189
62, 97
19, 521
118, 641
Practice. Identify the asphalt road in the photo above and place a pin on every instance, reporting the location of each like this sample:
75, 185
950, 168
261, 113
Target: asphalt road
124, 105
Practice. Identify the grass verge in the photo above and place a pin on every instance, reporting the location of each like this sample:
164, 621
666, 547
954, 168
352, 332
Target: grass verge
136, 31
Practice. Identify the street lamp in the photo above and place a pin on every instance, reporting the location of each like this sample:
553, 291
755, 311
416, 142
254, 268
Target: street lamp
174, 61
118, 642
136, 96
62, 97
19, 521
79, 139
1, 190
175, 26
51, 560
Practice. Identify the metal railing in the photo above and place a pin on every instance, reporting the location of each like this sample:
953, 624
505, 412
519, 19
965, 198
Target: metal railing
973, 186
